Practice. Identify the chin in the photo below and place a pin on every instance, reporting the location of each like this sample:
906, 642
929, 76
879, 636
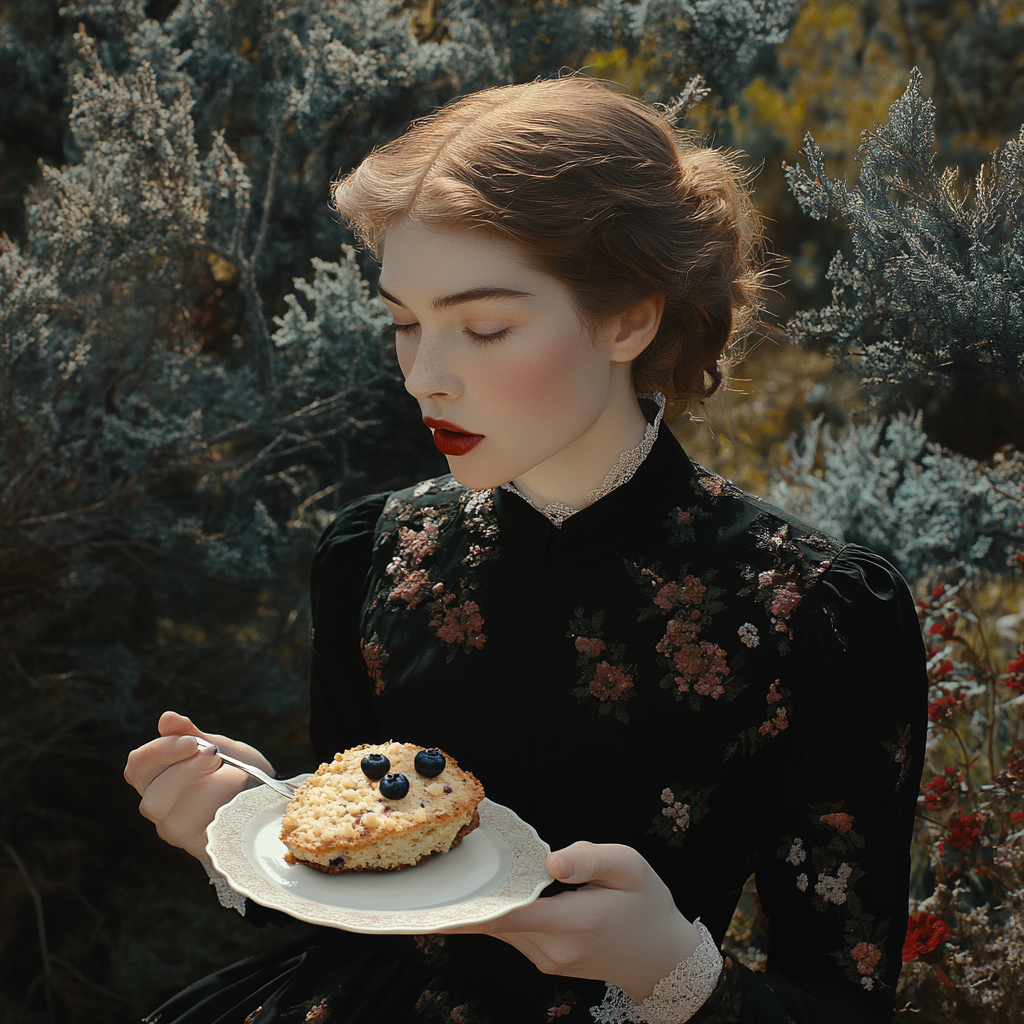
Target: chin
475, 478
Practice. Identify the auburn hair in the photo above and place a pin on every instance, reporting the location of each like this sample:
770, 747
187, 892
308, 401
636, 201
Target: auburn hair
596, 189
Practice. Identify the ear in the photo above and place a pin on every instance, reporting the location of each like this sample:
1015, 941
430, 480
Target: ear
637, 327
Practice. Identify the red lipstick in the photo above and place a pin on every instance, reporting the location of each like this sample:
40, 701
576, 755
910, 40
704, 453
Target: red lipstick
450, 439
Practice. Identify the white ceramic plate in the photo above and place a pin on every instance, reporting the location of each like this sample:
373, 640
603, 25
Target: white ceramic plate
498, 867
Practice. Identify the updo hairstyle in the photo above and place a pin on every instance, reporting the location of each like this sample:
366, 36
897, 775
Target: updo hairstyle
597, 190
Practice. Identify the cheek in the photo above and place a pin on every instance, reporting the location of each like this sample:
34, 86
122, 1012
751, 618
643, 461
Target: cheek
406, 353
548, 378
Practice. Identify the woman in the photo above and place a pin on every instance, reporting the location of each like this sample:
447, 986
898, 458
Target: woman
677, 684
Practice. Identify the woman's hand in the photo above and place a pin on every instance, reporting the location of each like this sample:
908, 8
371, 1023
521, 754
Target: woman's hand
182, 787
622, 926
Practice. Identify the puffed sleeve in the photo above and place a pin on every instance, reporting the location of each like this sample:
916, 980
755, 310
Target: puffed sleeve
341, 710
833, 874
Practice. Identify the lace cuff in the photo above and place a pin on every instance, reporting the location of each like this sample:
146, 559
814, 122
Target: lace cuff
226, 896
676, 998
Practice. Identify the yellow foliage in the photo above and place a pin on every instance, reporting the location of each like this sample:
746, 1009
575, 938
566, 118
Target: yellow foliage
221, 269
840, 81
744, 428
619, 66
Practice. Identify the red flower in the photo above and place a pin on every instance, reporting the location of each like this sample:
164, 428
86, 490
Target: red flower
925, 933
943, 629
941, 671
944, 705
1015, 669
943, 791
937, 592
965, 831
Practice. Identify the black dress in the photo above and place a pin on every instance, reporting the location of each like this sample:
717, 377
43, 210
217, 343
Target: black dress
680, 667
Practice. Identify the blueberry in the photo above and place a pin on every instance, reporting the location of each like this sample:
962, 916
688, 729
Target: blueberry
447, 789
375, 766
337, 862
430, 762
394, 786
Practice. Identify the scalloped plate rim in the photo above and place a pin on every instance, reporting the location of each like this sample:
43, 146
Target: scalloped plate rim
414, 922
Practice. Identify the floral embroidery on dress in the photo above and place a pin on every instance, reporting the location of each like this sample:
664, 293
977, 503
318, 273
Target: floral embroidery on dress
679, 523
458, 624
376, 659
696, 668
829, 880
778, 714
606, 676
414, 532
713, 485
900, 753
481, 519
781, 588
561, 1006
435, 1003
430, 946
318, 1014
410, 583
683, 808
748, 635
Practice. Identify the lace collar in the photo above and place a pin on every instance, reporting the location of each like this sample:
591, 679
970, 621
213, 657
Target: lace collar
622, 472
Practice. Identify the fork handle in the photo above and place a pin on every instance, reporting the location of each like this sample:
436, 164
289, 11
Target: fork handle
250, 769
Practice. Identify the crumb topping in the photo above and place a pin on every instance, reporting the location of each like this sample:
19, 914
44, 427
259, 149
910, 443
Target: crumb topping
339, 804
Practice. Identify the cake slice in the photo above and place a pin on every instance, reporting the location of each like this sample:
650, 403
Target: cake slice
380, 808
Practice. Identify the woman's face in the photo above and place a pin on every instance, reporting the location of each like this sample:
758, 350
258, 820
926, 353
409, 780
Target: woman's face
504, 370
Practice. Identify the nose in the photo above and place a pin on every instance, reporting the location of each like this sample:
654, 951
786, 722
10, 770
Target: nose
428, 368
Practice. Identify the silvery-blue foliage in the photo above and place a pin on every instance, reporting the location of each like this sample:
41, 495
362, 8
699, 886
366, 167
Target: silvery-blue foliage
884, 485
933, 288
718, 39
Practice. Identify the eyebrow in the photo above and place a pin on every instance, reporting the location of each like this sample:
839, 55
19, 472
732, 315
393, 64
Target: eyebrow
457, 298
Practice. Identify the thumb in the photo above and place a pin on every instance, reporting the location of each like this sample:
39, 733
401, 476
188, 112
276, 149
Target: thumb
608, 864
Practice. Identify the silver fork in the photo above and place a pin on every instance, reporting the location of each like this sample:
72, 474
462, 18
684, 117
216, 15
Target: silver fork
286, 787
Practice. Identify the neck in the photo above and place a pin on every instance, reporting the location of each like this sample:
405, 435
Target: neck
569, 476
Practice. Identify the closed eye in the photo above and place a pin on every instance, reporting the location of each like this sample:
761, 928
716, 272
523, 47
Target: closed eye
485, 338
392, 329
482, 339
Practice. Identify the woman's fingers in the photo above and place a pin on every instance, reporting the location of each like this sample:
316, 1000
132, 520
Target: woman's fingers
166, 788
171, 724
152, 759
606, 864
568, 911
538, 916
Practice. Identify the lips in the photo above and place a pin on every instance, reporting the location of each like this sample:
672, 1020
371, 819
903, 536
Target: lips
450, 439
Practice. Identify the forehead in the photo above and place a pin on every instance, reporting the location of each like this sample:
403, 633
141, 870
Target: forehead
423, 262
